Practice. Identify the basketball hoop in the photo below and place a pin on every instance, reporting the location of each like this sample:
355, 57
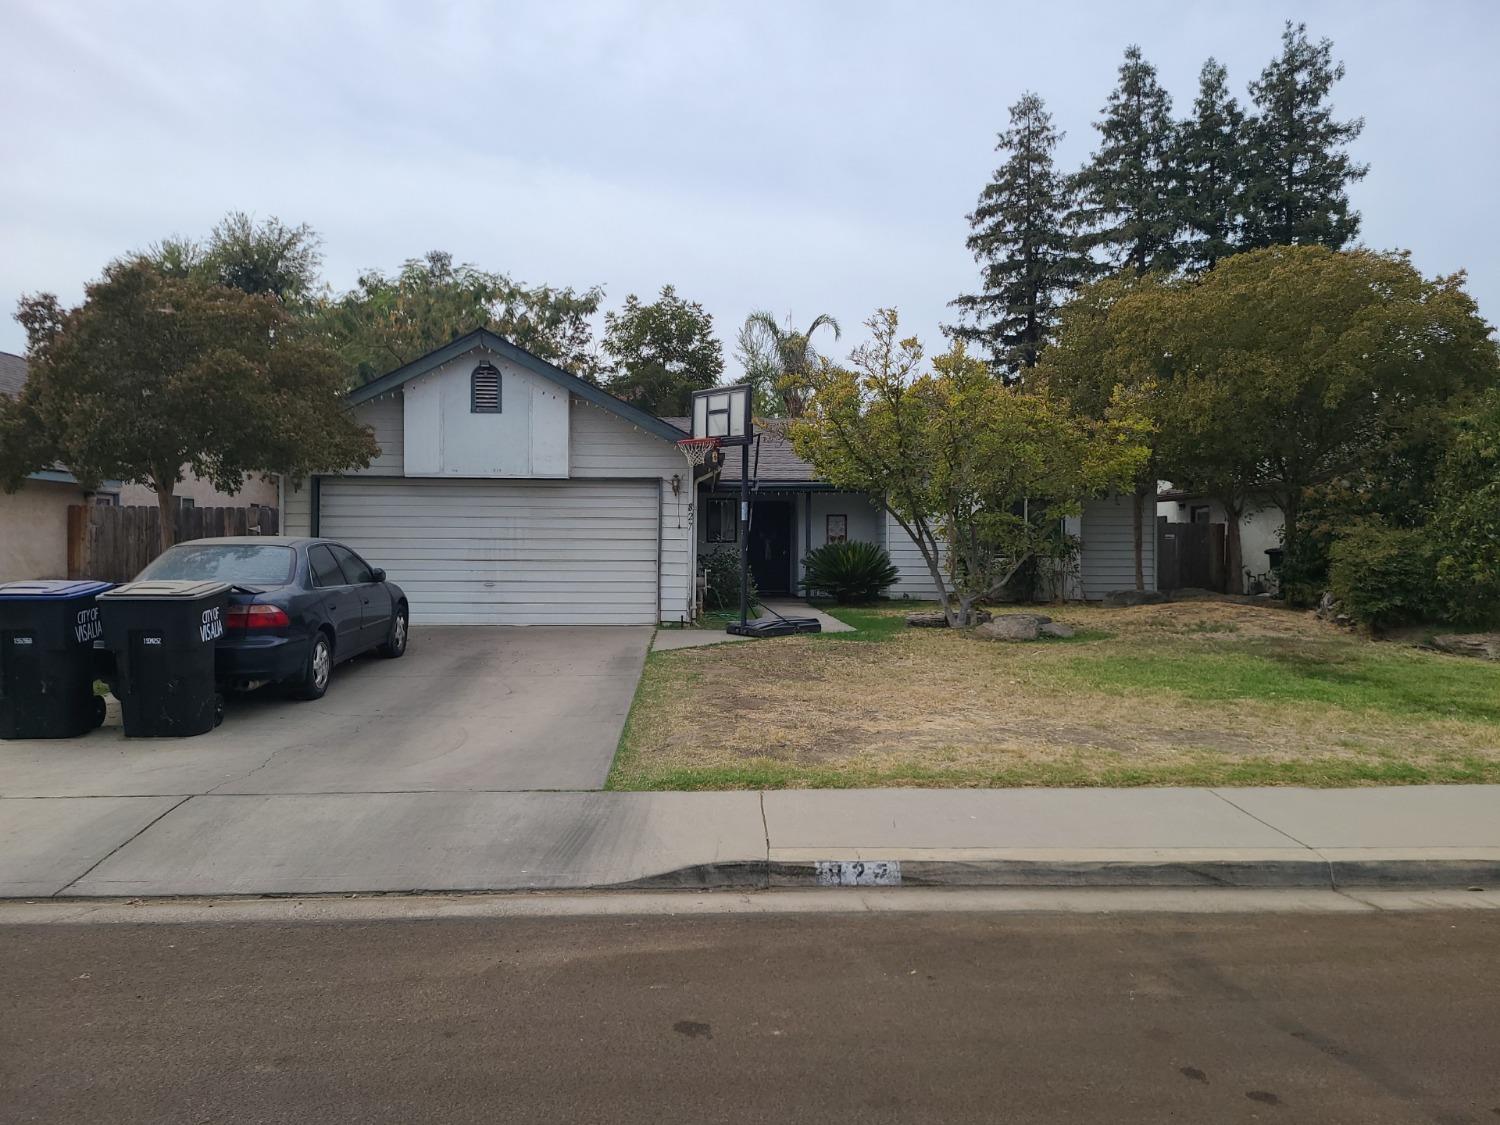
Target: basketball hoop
702, 450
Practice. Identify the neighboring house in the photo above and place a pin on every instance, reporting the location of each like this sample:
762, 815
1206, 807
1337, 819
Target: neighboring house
795, 512
256, 492
1260, 525
510, 492
34, 519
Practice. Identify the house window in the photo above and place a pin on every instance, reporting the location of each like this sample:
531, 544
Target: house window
838, 529
720, 523
1200, 513
106, 500
484, 390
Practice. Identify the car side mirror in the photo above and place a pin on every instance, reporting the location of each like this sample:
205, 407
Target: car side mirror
377, 574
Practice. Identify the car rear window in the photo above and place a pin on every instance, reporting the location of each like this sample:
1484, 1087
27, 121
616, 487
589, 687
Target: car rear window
249, 563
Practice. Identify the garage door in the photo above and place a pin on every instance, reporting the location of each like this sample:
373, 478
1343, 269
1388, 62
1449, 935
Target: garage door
506, 552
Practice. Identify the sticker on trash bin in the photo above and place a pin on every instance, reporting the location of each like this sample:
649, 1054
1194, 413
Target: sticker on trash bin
20, 640
87, 628
150, 640
211, 627
859, 873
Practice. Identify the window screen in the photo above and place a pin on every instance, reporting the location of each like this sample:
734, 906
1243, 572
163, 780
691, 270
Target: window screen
325, 568
484, 390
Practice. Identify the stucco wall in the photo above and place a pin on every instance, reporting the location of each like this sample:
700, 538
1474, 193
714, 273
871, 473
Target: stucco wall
256, 490
34, 530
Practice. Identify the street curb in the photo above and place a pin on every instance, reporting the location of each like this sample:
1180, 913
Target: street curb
1315, 872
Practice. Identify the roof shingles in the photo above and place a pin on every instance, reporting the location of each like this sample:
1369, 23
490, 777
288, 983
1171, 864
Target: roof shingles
12, 374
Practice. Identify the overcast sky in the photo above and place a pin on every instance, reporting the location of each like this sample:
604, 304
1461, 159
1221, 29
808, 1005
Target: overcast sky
800, 157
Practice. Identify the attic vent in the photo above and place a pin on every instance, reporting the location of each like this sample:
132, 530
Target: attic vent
484, 390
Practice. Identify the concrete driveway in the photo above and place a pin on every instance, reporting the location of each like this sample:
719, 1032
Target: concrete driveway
467, 709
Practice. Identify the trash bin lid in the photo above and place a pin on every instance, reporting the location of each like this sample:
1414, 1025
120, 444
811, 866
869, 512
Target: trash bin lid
174, 589
52, 589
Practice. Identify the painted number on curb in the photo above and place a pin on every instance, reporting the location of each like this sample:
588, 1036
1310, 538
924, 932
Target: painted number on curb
859, 873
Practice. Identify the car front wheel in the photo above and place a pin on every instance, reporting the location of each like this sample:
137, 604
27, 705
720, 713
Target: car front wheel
395, 640
313, 682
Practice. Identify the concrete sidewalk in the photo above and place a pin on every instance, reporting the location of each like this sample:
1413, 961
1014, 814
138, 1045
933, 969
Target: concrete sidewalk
248, 844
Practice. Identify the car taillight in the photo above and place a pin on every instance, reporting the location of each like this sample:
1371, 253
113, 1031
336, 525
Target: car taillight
256, 617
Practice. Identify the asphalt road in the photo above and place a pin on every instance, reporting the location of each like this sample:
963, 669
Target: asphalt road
817, 1018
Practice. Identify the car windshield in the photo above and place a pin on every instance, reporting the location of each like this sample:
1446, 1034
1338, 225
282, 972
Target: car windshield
248, 563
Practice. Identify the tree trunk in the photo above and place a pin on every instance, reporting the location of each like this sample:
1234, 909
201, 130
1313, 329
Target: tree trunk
1138, 509
166, 505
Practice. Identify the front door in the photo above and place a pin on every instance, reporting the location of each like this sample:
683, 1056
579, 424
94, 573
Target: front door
771, 546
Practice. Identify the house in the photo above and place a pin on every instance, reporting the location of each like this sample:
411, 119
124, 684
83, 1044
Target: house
508, 491
1260, 526
795, 512
34, 520
511, 492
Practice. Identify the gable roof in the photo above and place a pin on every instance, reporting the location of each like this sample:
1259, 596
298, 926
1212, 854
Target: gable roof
12, 374
484, 338
772, 459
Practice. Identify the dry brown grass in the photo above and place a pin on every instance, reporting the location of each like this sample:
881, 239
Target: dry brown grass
1128, 702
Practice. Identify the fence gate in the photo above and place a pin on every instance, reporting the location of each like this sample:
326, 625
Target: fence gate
114, 544
1189, 555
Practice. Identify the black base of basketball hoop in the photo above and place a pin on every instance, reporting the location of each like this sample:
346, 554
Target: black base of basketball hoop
775, 627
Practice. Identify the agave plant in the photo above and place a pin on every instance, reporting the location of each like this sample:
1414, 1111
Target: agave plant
849, 572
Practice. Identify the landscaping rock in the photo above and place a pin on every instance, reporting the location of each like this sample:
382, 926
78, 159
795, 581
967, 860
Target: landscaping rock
1057, 629
1013, 627
1117, 598
938, 621
1485, 646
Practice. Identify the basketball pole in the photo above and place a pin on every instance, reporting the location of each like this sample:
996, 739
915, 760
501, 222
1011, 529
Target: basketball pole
744, 532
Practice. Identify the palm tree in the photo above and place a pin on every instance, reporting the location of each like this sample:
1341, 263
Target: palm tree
780, 359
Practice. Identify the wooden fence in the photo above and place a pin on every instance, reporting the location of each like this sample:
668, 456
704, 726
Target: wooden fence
1189, 555
114, 544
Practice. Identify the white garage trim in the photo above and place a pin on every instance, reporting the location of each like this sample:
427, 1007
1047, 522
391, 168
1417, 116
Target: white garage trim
496, 552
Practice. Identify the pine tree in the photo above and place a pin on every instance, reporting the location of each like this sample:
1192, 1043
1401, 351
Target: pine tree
1126, 205
1298, 192
1211, 171
1027, 259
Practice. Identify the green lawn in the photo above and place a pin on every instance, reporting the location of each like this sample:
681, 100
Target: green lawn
1183, 694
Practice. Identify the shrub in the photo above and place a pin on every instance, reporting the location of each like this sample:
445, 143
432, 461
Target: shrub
1383, 575
722, 569
849, 572
1465, 525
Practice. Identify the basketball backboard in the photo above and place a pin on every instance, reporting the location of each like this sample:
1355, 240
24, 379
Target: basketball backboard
723, 413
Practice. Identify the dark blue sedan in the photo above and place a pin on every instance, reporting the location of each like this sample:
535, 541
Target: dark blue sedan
297, 607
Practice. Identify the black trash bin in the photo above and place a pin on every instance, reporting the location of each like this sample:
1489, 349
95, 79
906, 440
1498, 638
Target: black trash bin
162, 635
47, 634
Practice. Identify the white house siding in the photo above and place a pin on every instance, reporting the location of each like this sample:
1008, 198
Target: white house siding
915, 580
602, 448
602, 444
489, 552
1107, 546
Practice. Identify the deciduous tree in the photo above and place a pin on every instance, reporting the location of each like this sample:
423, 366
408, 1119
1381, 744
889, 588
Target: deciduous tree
387, 321
154, 375
956, 456
663, 351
